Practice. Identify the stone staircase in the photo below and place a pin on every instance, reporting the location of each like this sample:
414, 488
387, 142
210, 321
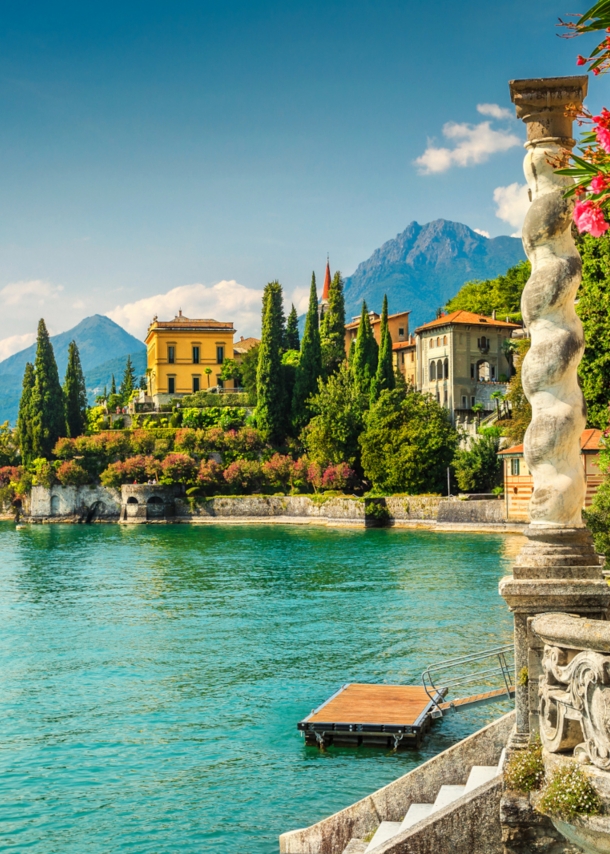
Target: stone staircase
447, 794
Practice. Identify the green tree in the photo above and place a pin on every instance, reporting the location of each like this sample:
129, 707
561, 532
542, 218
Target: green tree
520, 408
408, 443
128, 383
502, 294
339, 406
9, 445
309, 368
112, 385
75, 394
248, 365
48, 416
231, 370
384, 377
332, 327
271, 399
24, 418
292, 341
364, 360
479, 468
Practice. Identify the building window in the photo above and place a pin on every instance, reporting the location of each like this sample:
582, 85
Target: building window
432, 371
472, 401
195, 384
446, 369
439, 370
464, 401
438, 342
195, 355
472, 371
432, 342
412, 356
171, 354
171, 385
493, 372
445, 398
220, 354
514, 467
444, 340
401, 332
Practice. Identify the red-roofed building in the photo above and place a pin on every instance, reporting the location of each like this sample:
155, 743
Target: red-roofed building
519, 483
462, 360
398, 326
323, 304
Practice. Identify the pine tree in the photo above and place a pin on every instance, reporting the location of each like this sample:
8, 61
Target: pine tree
384, 377
129, 380
271, 399
292, 331
364, 361
332, 327
48, 416
24, 419
75, 394
310, 364
112, 385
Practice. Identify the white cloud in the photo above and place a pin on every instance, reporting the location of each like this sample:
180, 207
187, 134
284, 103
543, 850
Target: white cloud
495, 111
473, 144
481, 232
36, 292
226, 300
512, 203
15, 343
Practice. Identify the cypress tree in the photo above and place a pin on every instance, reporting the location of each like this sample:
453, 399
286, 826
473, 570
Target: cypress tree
332, 328
24, 419
48, 416
292, 331
129, 380
310, 364
112, 385
75, 393
384, 377
271, 401
364, 361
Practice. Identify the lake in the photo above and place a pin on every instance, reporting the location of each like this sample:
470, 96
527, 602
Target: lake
152, 677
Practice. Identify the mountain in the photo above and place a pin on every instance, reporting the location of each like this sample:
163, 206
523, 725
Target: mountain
103, 346
426, 265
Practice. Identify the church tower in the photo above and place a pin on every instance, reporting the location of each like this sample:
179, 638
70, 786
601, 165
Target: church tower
323, 304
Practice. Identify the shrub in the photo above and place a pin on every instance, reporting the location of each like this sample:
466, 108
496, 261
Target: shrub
298, 474
69, 473
339, 476
9, 474
524, 770
569, 793
314, 474
185, 441
65, 449
178, 468
243, 476
479, 468
245, 444
44, 473
133, 470
142, 442
209, 476
277, 471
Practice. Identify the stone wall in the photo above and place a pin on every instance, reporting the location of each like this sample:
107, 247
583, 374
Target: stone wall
337, 510
74, 504
453, 511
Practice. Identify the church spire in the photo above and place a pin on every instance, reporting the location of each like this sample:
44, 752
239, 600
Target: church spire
326, 287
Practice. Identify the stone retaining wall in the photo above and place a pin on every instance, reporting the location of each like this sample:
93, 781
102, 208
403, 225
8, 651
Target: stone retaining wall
453, 511
74, 504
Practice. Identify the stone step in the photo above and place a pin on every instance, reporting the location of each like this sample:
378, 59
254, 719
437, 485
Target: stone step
355, 846
502, 761
385, 831
416, 813
447, 795
480, 774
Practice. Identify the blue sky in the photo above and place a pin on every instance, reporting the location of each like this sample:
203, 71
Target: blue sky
150, 151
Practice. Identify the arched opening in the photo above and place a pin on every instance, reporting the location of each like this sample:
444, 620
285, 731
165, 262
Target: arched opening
483, 372
432, 371
54, 505
438, 342
132, 506
439, 369
132, 500
444, 340
155, 506
446, 367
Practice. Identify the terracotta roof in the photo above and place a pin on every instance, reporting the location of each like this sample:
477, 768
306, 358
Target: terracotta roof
466, 317
326, 287
245, 344
589, 441
182, 322
402, 345
353, 324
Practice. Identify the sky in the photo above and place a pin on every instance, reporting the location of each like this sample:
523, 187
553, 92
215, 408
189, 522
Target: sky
157, 156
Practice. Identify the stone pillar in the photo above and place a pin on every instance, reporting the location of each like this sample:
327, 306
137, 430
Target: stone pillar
557, 569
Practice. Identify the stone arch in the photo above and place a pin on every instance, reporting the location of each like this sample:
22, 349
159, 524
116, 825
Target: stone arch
444, 340
432, 371
155, 507
483, 372
55, 505
439, 369
446, 368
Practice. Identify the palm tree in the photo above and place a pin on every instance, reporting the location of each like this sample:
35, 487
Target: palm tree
208, 371
477, 408
497, 396
509, 348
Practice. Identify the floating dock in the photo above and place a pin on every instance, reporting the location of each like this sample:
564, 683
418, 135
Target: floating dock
373, 714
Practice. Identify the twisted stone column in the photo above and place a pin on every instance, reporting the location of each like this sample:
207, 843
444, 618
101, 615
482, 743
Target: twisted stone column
557, 570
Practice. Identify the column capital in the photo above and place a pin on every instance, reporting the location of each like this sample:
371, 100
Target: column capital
548, 105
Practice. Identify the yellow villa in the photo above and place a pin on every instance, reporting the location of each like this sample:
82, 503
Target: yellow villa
185, 356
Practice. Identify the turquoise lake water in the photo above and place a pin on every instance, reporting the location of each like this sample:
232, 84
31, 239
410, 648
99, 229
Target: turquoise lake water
152, 678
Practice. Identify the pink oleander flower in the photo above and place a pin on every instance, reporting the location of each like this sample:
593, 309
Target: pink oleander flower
580, 60
588, 217
599, 183
596, 71
603, 138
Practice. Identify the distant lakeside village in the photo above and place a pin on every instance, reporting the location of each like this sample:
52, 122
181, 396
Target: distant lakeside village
360, 407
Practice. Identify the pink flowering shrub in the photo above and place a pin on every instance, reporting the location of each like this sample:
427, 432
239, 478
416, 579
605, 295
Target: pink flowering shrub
298, 475
70, 473
589, 217
243, 476
314, 474
9, 474
138, 469
210, 477
142, 442
185, 441
339, 476
178, 468
277, 472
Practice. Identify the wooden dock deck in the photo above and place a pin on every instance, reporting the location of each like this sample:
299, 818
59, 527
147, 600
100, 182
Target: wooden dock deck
379, 714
